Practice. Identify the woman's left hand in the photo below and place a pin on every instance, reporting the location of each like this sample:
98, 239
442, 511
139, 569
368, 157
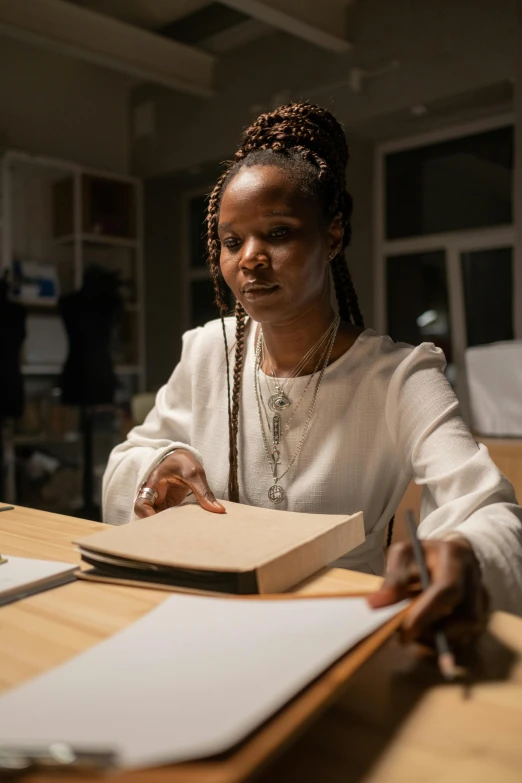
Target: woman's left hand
455, 600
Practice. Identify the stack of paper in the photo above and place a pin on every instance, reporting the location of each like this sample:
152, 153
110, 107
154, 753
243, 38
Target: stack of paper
23, 576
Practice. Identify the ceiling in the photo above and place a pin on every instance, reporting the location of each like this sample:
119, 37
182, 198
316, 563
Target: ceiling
211, 26
143, 13
175, 43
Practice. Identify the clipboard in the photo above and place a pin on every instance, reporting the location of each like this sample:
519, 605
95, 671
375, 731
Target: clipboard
257, 750
272, 738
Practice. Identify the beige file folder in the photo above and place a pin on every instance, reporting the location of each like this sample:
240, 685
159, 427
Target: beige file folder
248, 550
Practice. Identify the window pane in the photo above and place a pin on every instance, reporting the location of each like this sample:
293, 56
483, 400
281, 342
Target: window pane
417, 299
198, 232
487, 279
453, 185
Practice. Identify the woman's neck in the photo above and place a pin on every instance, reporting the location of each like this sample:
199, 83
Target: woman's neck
287, 343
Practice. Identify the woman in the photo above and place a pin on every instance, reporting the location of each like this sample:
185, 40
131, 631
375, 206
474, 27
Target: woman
306, 410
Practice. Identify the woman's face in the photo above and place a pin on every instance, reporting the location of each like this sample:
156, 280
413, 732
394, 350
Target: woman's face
274, 247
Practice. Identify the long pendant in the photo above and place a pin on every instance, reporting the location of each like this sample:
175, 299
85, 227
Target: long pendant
276, 493
276, 429
278, 402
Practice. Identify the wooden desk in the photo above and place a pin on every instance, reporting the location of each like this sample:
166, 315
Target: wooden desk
395, 721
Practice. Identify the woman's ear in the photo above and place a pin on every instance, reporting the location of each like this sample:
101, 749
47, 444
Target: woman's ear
335, 237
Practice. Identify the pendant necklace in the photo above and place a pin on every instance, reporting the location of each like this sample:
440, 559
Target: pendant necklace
280, 400
276, 420
275, 427
276, 492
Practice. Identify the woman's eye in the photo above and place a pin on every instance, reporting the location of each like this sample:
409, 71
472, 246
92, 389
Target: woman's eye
282, 231
231, 243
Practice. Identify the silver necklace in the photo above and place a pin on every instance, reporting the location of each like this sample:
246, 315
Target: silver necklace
276, 492
276, 418
270, 396
280, 400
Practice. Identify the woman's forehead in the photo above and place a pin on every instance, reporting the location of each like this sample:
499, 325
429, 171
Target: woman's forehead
267, 187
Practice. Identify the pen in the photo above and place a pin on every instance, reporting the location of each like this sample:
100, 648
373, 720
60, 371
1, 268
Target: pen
446, 660
6, 508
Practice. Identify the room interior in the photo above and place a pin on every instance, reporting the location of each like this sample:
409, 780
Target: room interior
116, 118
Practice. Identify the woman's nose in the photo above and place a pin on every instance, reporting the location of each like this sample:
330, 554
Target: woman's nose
254, 255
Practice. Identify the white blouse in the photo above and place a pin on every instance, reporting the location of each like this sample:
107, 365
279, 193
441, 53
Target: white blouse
385, 414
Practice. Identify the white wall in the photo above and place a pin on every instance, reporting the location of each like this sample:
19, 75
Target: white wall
58, 106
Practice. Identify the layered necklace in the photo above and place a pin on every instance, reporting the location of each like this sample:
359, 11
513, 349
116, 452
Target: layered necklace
280, 401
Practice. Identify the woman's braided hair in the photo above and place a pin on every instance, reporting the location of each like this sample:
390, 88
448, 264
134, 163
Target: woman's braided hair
309, 143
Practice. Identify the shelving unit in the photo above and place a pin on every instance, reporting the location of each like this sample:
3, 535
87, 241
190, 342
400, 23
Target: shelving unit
63, 216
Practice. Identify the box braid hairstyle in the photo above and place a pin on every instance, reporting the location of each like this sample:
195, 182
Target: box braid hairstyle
309, 143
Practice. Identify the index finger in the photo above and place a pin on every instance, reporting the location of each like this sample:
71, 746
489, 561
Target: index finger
202, 492
400, 573
440, 598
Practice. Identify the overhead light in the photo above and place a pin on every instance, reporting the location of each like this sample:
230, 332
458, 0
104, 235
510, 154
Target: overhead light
354, 80
355, 77
419, 110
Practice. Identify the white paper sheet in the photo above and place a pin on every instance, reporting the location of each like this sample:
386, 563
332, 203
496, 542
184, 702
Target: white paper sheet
190, 679
21, 576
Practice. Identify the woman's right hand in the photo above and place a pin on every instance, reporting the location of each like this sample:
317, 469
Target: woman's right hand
173, 479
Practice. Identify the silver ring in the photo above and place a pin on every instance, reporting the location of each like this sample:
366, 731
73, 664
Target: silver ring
148, 494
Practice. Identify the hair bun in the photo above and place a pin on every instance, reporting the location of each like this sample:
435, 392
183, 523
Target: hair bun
302, 125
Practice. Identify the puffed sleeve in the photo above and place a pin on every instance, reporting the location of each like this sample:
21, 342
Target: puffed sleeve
168, 426
463, 490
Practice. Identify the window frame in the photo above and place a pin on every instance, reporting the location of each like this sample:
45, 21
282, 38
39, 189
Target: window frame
453, 243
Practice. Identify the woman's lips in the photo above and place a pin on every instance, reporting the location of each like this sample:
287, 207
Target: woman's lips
253, 294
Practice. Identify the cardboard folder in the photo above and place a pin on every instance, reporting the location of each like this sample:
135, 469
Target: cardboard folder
248, 550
